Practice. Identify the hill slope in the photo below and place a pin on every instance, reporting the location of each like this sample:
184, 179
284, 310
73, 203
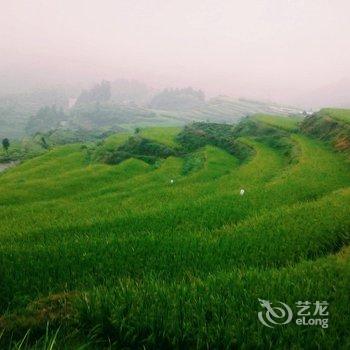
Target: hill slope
167, 254
330, 125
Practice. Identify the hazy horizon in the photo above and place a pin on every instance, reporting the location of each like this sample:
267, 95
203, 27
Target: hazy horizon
295, 52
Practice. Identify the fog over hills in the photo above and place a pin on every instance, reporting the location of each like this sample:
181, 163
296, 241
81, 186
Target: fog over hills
275, 50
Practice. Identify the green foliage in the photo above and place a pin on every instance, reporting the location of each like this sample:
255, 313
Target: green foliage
5, 144
198, 135
140, 148
44, 143
152, 144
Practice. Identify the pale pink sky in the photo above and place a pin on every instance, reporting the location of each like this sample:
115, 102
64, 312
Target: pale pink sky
273, 49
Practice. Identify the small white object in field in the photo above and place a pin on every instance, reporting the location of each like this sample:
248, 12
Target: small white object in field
171, 181
241, 192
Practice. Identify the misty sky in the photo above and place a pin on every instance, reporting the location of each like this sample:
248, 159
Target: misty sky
272, 49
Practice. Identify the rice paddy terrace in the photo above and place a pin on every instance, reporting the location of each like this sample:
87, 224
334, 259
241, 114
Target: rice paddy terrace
222, 109
158, 249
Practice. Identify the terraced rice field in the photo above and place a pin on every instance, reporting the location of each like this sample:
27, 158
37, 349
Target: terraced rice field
121, 256
223, 109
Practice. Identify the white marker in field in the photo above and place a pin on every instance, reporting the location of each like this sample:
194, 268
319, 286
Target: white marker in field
241, 192
171, 181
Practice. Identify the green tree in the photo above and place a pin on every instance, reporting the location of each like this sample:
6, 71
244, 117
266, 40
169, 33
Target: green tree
6, 144
44, 143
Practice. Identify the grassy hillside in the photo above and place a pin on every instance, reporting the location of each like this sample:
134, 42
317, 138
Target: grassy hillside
284, 123
339, 114
330, 125
168, 254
